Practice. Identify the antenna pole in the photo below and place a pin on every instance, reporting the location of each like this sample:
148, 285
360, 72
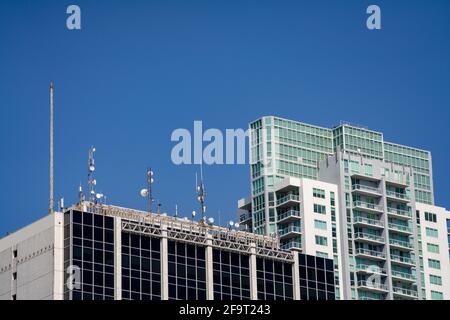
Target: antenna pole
51, 201
150, 196
201, 195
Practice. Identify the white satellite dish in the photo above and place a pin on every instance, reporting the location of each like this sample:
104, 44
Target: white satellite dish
99, 196
92, 168
144, 193
236, 225
231, 223
211, 220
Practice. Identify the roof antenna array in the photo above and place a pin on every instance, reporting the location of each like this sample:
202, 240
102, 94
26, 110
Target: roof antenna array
51, 201
147, 193
201, 194
93, 196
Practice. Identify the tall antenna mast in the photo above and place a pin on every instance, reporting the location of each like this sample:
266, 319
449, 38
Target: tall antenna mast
91, 181
150, 195
51, 201
201, 194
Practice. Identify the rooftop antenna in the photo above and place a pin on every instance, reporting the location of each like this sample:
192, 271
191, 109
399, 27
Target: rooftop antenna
80, 194
176, 210
51, 201
147, 193
201, 194
91, 181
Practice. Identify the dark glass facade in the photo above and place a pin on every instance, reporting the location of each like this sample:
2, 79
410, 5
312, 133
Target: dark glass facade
187, 271
91, 238
141, 267
316, 278
274, 279
231, 275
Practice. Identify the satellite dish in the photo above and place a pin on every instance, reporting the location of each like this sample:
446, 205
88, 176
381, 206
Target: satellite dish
236, 225
99, 196
193, 213
231, 223
91, 168
144, 193
94, 182
211, 221
93, 149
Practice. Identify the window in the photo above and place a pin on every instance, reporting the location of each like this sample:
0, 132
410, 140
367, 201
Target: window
318, 193
354, 166
15, 254
14, 275
433, 233
435, 280
368, 169
433, 248
332, 199
430, 217
436, 295
321, 254
321, 225
319, 209
14, 297
321, 241
434, 264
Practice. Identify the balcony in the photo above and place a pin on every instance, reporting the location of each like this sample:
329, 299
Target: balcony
397, 196
288, 200
289, 232
398, 275
373, 254
366, 206
367, 237
399, 213
370, 269
372, 286
364, 221
244, 217
403, 292
400, 228
289, 216
366, 190
401, 244
291, 245
407, 261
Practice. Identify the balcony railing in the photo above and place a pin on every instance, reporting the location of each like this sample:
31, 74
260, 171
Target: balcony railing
400, 212
374, 285
403, 275
401, 243
287, 214
370, 268
362, 187
290, 229
289, 197
367, 205
405, 292
291, 245
365, 220
372, 253
397, 258
397, 195
399, 227
368, 236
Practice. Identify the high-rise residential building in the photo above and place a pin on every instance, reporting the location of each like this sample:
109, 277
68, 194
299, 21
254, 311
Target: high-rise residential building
373, 196
102, 252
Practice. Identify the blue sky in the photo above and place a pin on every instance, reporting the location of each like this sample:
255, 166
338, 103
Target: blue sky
140, 69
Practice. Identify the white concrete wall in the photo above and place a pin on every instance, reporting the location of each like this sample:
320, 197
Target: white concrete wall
35, 262
442, 256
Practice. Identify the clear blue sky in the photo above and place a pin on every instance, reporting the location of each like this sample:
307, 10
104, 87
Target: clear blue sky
140, 69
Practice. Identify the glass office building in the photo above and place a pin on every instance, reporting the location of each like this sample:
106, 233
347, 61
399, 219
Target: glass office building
118, 253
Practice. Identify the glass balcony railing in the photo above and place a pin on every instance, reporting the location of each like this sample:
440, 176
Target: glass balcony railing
397, 195
289, 197
368, 236
288, 214
370, 268
400, 212
367, 205
405, 291
365, 220
362, 187
373, 285
403, 275
401, 243
290, 229
291, 245
399, 227
372, 253
397, 258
